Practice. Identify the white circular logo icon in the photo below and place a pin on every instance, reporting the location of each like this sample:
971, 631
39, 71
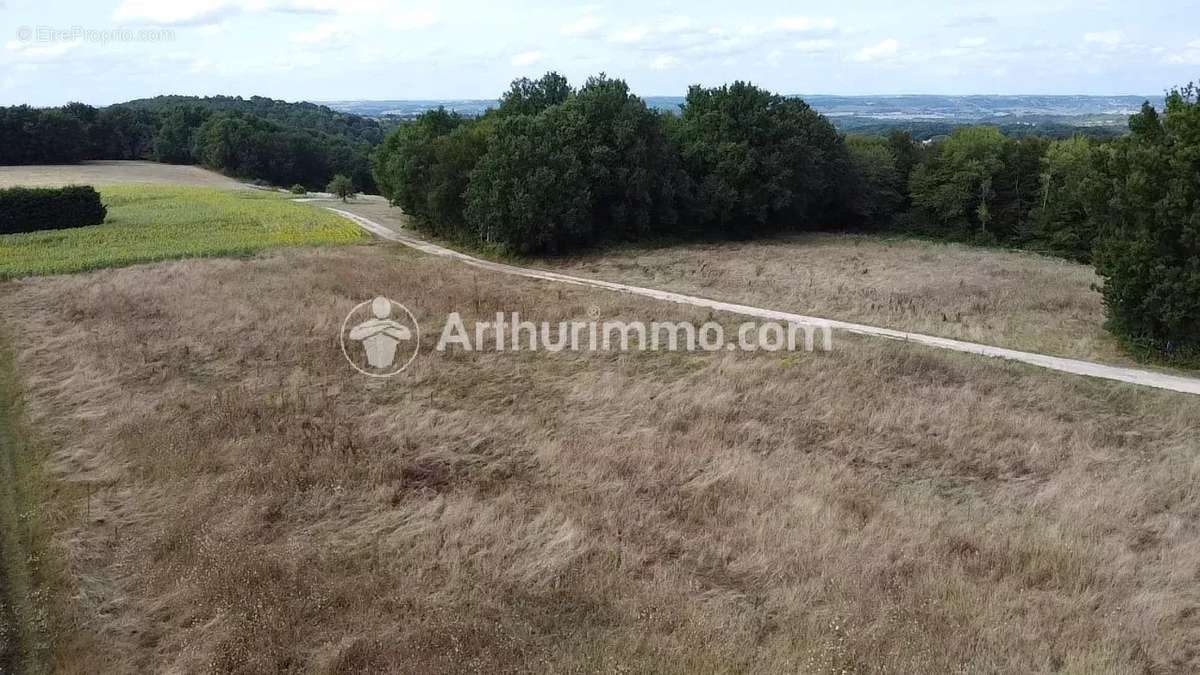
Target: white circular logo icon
380, 331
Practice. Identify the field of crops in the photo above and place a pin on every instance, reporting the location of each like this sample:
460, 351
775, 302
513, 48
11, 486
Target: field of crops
147, 223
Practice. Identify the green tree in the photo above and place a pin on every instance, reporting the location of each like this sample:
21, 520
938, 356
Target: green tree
1149, 242
596, 167
529, 97
530, 192
953, 190
636, 183
341, 187
403, 164
875, 189
760, 161
1016, 188
453, 157
174, 142
1070, 195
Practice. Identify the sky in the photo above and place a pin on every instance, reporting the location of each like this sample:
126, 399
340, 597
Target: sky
106, 51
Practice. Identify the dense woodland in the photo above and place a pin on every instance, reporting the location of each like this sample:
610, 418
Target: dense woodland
553, 168
258, 138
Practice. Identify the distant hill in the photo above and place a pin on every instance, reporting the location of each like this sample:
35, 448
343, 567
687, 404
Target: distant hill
299, 115
925, 116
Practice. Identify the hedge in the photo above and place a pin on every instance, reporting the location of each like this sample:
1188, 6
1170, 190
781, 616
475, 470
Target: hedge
32, 209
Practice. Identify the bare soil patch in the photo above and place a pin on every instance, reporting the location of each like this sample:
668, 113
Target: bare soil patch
241, 501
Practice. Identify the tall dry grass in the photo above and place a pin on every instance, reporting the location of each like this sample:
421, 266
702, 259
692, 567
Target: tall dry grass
243, 502
1011, 299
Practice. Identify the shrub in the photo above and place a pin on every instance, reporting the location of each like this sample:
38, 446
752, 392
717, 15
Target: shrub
341, 187
298, 189
1149, 248
33, 209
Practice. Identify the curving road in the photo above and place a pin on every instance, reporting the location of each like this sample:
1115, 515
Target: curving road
1145, 378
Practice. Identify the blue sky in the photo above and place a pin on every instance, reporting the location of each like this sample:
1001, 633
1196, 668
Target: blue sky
371, 49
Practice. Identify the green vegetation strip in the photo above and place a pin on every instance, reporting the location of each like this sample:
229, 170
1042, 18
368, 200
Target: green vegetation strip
24, 645
151, 223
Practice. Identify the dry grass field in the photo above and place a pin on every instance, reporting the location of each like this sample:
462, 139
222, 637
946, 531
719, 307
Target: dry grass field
231, 497
1003, 298
113, 172
1013, 299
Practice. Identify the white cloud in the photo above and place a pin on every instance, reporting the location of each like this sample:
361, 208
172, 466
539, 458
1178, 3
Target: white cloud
972, 42
527, 58
204, 12
201, 65
677, 24
414, 20
1189, 56
968, 20
665, 62
1109, 38
178, 12
584, 26
630, 36
804, 24
321, 34
875, 52
41, 51
814, 46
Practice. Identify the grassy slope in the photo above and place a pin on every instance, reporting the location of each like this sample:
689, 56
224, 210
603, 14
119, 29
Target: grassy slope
148, 223
882, 508
23, 646
1013, 299
1008, 299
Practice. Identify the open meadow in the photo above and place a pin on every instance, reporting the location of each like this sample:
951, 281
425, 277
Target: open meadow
1013, 299
650, 363
228, 495
156, 222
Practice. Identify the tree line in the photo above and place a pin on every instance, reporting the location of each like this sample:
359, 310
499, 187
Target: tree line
552, 168
272, 141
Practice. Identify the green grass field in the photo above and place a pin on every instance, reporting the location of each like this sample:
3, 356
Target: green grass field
147, 223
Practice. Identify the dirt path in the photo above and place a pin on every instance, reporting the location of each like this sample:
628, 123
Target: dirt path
1144, 378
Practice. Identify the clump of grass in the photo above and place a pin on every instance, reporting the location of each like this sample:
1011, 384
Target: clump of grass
150, 223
